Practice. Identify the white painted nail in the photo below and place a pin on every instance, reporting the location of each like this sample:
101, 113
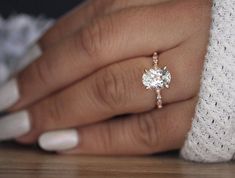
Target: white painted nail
9, 94
59, 140
14, 125
32, 53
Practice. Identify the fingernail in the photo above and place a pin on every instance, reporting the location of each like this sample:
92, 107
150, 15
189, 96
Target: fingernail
32, 53
59, 140
14, 125
9, 94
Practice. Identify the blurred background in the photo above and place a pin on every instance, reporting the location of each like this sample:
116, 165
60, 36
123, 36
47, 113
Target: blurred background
22, 22
48, 8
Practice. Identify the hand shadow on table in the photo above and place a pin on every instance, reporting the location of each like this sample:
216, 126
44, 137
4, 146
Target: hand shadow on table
12, 145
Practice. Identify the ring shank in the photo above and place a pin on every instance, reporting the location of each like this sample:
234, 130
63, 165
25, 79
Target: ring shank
156, 78
159, 99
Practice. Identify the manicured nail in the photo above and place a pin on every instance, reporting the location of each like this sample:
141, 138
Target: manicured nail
9, 94
59, 140
32, 53
14, 125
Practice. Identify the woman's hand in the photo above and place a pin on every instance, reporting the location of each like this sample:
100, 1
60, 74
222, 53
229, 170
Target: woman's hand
91, 71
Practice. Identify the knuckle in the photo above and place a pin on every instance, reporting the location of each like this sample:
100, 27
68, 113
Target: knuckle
106, 138
56, 109
46, 114
50, 36
52, 112
147, 132
36, 122
91, 39
94, 37
43, 70
111, 87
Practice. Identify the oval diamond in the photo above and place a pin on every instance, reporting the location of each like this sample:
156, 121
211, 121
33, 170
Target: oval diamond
156, 78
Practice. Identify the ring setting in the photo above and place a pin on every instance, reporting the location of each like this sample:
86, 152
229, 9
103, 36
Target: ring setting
156, 78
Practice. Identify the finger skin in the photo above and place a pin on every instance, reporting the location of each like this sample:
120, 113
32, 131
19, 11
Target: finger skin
106, 93
115, 90
82, 14
104, 42
69, 24
185, 63
147, 133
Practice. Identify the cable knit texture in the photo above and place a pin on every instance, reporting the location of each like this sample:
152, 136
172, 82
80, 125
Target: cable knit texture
212, 136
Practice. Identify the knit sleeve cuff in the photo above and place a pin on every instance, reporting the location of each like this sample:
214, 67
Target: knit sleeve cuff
212, 136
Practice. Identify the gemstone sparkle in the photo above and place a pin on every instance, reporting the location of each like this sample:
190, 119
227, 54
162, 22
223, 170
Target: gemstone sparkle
156, 78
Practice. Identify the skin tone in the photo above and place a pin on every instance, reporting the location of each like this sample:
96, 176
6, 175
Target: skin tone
90, 71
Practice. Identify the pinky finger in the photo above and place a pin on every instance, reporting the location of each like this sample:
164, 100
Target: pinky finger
146, 133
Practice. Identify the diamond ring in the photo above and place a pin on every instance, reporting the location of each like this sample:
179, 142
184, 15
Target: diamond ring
156, 78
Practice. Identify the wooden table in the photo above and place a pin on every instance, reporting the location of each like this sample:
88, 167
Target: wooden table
29, 162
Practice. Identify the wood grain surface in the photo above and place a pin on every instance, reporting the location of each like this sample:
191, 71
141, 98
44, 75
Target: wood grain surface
29, 162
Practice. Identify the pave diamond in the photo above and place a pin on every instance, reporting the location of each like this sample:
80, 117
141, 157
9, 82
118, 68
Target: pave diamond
156, 78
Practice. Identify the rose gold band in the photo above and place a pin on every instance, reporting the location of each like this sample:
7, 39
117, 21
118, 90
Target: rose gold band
158, 92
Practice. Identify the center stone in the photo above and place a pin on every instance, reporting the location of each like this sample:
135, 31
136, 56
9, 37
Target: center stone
156, 78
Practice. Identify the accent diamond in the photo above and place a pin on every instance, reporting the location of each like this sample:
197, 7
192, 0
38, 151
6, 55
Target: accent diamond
156, 78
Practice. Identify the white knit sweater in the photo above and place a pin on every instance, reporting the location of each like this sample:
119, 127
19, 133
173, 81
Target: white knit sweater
212, 136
